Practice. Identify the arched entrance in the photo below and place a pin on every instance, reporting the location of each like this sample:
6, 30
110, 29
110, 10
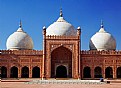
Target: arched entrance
61, 72
14, 72
118, 72
3, 72
61, 56
87, 72
108, 72
25, 72
97, 72
36, 72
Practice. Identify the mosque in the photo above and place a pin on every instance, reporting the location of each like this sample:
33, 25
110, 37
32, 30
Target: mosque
61, 56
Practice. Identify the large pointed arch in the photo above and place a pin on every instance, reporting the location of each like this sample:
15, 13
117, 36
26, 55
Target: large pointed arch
61, 55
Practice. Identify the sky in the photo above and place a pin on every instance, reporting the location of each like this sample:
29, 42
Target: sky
35, 14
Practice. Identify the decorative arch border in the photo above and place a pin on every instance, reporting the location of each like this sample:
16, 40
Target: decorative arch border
67, 46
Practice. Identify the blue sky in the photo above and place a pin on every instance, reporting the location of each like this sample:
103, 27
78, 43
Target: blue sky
38, 13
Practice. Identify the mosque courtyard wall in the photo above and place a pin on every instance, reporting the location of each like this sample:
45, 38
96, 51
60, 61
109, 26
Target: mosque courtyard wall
61, 56
93, 64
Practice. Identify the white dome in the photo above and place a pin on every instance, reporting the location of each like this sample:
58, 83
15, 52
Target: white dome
19, 40
102, 41
61, 27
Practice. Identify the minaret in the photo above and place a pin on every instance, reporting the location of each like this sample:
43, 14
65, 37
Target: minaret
79, 48
78, 31
44, 52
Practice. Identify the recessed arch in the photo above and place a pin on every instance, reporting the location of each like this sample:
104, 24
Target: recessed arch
36, 72
118, 72
109, 72
3, 72
25, 72
14, 72
86, 72
60, 56
98, 72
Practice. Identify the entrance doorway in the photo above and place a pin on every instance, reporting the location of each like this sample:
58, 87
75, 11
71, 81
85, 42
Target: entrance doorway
61, 72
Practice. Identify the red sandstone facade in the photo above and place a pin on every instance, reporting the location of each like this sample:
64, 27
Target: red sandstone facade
60, 58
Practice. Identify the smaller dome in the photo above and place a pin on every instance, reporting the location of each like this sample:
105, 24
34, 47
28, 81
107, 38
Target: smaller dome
19, 40
61, 27
102, 40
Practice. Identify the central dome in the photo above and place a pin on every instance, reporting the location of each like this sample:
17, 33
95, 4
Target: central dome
61, 27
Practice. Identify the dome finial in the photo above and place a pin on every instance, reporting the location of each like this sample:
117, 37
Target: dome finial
61, 13
20, 29
102, 24
102, 30
20, 25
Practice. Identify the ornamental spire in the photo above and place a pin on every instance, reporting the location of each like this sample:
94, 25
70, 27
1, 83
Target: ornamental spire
61, 13
102, 30
20, 25
102, 24
20, 29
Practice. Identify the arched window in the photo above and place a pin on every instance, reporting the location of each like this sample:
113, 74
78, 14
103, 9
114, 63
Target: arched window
118, 72
109, 72
97, 72
87, 72
14, 72
3, 72
25, 72
36, 72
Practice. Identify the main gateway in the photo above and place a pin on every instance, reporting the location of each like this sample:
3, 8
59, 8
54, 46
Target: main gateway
61, 56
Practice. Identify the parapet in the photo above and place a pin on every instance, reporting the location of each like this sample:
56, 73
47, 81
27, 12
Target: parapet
22, 52
109, 52
61, 37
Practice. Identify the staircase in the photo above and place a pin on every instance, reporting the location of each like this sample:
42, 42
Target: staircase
65, 82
